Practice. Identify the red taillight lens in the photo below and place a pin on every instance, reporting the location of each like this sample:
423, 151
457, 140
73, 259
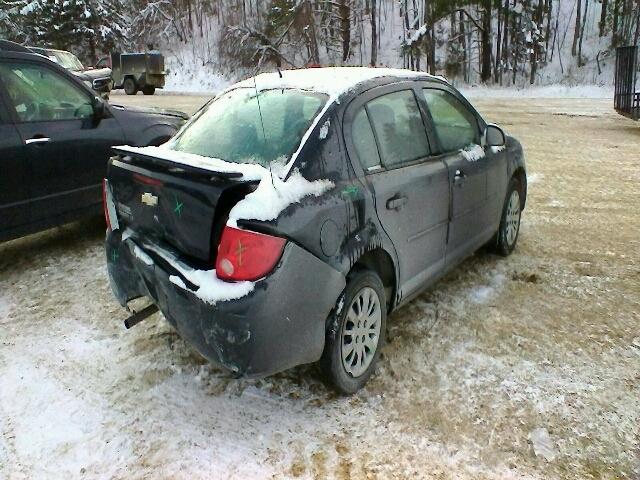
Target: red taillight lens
104, 203
246, 255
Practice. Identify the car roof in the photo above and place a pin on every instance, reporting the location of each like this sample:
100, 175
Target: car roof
332, 81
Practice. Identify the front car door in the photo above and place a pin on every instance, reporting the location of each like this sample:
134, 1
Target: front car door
66, 146
459, 136
14, 188
411, 189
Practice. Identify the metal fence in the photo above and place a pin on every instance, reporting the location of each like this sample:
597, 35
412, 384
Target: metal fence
626, 99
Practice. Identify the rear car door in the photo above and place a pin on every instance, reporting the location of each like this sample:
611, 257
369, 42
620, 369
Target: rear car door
410, 187
66, 146
458, 131
14, 188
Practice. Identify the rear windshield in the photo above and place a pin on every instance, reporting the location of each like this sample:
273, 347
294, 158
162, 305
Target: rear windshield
230, 127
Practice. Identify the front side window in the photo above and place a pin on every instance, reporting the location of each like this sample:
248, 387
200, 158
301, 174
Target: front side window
39, 94
231, 127
455, 125
398, 125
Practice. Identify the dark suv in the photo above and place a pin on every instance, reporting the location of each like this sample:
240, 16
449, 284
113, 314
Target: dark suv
292, 213
55, 140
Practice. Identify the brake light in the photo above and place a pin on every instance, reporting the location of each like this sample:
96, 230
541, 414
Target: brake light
104, 203
110, 215
246, 255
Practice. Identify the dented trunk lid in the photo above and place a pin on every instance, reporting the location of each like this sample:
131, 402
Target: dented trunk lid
170, 203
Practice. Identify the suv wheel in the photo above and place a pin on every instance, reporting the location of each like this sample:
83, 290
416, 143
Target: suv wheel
148, 89
510, 221
356, 334
130, 87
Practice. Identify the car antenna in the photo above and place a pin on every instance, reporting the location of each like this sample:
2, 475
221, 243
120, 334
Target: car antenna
264, 135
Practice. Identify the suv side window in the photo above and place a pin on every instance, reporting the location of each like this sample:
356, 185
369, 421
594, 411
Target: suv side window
364, 140
455, 125
38, 94
398, 126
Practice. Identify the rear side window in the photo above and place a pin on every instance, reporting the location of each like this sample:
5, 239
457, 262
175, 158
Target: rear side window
455, 125
39, 94
398, 125
364, 140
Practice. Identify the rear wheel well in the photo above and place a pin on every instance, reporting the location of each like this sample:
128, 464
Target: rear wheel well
521, 177
380, 262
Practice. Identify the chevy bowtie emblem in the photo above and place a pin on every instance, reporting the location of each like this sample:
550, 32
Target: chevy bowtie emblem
149, 199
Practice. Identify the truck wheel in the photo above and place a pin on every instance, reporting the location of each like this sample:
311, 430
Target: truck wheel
356, 333
149, 89
130, 87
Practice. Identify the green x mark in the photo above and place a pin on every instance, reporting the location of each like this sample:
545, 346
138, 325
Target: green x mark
178, 207
114, 255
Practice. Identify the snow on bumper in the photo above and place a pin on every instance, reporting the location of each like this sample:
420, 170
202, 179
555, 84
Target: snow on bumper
279, 324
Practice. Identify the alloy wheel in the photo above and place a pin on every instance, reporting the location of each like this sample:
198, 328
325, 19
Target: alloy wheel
361, 332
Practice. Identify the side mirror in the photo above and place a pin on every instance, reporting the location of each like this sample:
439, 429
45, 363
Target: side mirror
494, 136
99, 108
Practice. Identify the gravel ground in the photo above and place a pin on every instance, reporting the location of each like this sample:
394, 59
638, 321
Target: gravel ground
498, 357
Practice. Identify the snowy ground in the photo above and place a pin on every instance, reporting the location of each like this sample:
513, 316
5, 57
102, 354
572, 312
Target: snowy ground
548, 338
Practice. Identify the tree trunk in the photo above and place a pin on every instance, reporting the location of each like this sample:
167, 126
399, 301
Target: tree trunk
374, 34
485, 71
603, 18
614, 36
584, 21
496, 67
576, 32
345, 28
463, 39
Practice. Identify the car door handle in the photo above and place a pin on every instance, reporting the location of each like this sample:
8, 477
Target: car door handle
36, 140
459, 178
396, 202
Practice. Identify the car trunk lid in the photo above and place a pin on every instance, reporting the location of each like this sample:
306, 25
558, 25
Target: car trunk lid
172, 203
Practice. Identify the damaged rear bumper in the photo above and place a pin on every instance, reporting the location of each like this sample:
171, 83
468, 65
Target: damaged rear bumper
278, 325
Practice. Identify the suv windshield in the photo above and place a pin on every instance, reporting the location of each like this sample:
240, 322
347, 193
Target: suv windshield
230, 127
68, 60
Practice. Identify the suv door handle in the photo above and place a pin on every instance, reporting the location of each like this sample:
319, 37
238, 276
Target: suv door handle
37, 139
459, 178
396, 202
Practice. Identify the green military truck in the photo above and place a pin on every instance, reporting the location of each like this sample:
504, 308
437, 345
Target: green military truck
136, 71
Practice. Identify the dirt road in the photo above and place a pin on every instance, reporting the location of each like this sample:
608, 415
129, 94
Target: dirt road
548, 338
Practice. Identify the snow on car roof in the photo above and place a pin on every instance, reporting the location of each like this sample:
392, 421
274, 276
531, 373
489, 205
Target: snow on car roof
333, 81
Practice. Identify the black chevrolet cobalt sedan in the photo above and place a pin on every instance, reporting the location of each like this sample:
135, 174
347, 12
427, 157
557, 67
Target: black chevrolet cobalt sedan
297, 209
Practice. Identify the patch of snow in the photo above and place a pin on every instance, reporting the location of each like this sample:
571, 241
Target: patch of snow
473, 153
483, 293
193, 80
273, 195
249, 171
333, 81
534, 178
141, 255
542, 444
548, 91
497, 149
210, 288
324, 130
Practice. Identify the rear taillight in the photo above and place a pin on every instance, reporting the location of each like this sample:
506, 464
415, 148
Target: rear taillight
110, 215
104, 203
246, 255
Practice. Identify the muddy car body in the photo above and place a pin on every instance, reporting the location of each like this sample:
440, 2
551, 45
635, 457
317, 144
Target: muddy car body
376, 201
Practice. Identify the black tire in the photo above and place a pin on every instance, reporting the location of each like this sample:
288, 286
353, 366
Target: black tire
333, 368
130, 86
506, 237
148, 89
